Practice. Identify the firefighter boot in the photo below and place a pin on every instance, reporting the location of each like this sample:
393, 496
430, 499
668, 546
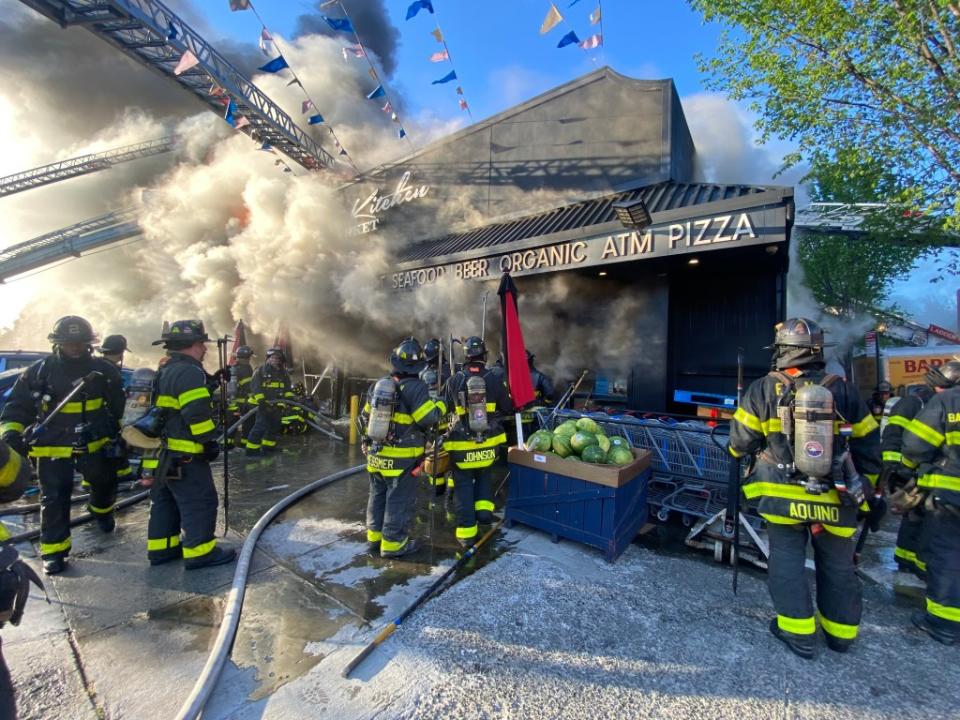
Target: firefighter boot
410, 546
921, 621
106, 523
800, 645
54, 565
217, 556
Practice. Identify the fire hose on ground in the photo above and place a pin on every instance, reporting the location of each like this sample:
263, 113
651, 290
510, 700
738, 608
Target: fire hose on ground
205, 683
80, 519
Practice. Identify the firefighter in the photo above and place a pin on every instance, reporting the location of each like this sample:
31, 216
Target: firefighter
879, 400
83, 434
242, 373
183, 497
931, 448
479, 398
543, 392
15, 576
800, 499
113, 348
431, 354
908, 551
398, 415
269, 384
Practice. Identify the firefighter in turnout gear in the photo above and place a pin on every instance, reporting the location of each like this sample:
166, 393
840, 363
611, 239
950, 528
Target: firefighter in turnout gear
909, 549
239, 388
113, 348
83, 434
435, 375
931, 448
812, 438
183, 499
14, 478
478, 398
398, 415
543, 390
269, 385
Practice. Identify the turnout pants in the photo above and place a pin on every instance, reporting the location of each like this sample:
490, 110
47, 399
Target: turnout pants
8, 703
390, 508
943, 570
838, 588
473, 501
56, 488
909, 551
266, 429
188, 504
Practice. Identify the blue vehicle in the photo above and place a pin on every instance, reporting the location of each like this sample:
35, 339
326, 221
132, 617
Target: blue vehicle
12, 364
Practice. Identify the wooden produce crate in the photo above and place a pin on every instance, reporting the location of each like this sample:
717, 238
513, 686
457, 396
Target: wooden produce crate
602, 506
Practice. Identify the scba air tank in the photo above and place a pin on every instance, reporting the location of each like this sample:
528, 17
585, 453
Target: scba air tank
382, 403
813, 431
477, 405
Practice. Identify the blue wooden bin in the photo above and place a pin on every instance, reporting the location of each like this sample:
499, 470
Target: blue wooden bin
604, 516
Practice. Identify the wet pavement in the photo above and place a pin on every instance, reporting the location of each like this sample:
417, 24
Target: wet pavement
139, 635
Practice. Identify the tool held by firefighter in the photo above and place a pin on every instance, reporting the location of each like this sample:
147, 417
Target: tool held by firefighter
35, 431
223, 375
387, 631
731, 521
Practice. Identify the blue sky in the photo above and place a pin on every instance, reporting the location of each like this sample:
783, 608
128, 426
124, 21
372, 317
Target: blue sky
498, 53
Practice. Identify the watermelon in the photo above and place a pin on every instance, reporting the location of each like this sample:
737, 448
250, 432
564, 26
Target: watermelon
561, 445
620, 441
574, 457
620, 456
604, 442
567, 428
594, 454
587, 425
540, 441
582, 440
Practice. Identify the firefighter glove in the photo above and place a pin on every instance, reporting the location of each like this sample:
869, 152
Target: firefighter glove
16, 442
211, 451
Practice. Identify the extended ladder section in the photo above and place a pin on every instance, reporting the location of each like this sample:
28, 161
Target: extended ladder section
154, 36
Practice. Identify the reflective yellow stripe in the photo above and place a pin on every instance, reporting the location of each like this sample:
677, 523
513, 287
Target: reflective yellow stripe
943, 482
421, 412
199, 550
187, 446
391, 546
953, 438
402, 419
99, 510
189, 396
269, 443
865, 427
163, 543
11, 427
75, 408
150, 463
942, 611
491, 407
367, 408
385, 473
277, 384
736, 453
910, 556
789, 492
65, 451
484, 505
167, 401
797, 626
10, 471
838, 630
202, 427
891, 456
53, 548
904, 460
779, 520
925, 433
473, 465
465, 533
400, 452
839, 531
243, 382
251, 445
442, 407
872, 477
374, 536
748, 420
4, 533
898, 420
458, 445
123, 472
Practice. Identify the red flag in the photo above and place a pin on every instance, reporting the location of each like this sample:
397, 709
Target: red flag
239, 339
514, 351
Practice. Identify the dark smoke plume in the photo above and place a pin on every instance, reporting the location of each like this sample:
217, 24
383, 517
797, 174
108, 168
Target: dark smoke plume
370, 20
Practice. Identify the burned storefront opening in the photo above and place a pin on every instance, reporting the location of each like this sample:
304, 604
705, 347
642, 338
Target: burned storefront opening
655, 309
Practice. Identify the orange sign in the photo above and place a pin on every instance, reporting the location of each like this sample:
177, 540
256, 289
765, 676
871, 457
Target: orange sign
910, 370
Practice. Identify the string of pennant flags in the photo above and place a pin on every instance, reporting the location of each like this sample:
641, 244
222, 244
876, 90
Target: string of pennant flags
358, 50
554, 18
278, 63
441, 55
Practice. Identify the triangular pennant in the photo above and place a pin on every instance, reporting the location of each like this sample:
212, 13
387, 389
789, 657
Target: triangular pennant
459, 90
377, 92
187, 61
265, 38
315, 119
387, 107
417, 6
242, 121
569, 39
239, 5
401, 133
372, 73
295, 81
276, 65
594, 41
463, 104
552, 19
595, 16
452, 75
441, 56
305, 106
438, 36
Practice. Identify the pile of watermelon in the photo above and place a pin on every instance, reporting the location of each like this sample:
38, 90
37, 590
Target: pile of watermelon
582, 441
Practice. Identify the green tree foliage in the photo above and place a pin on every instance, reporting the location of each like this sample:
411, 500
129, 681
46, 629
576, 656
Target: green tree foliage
851, 82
